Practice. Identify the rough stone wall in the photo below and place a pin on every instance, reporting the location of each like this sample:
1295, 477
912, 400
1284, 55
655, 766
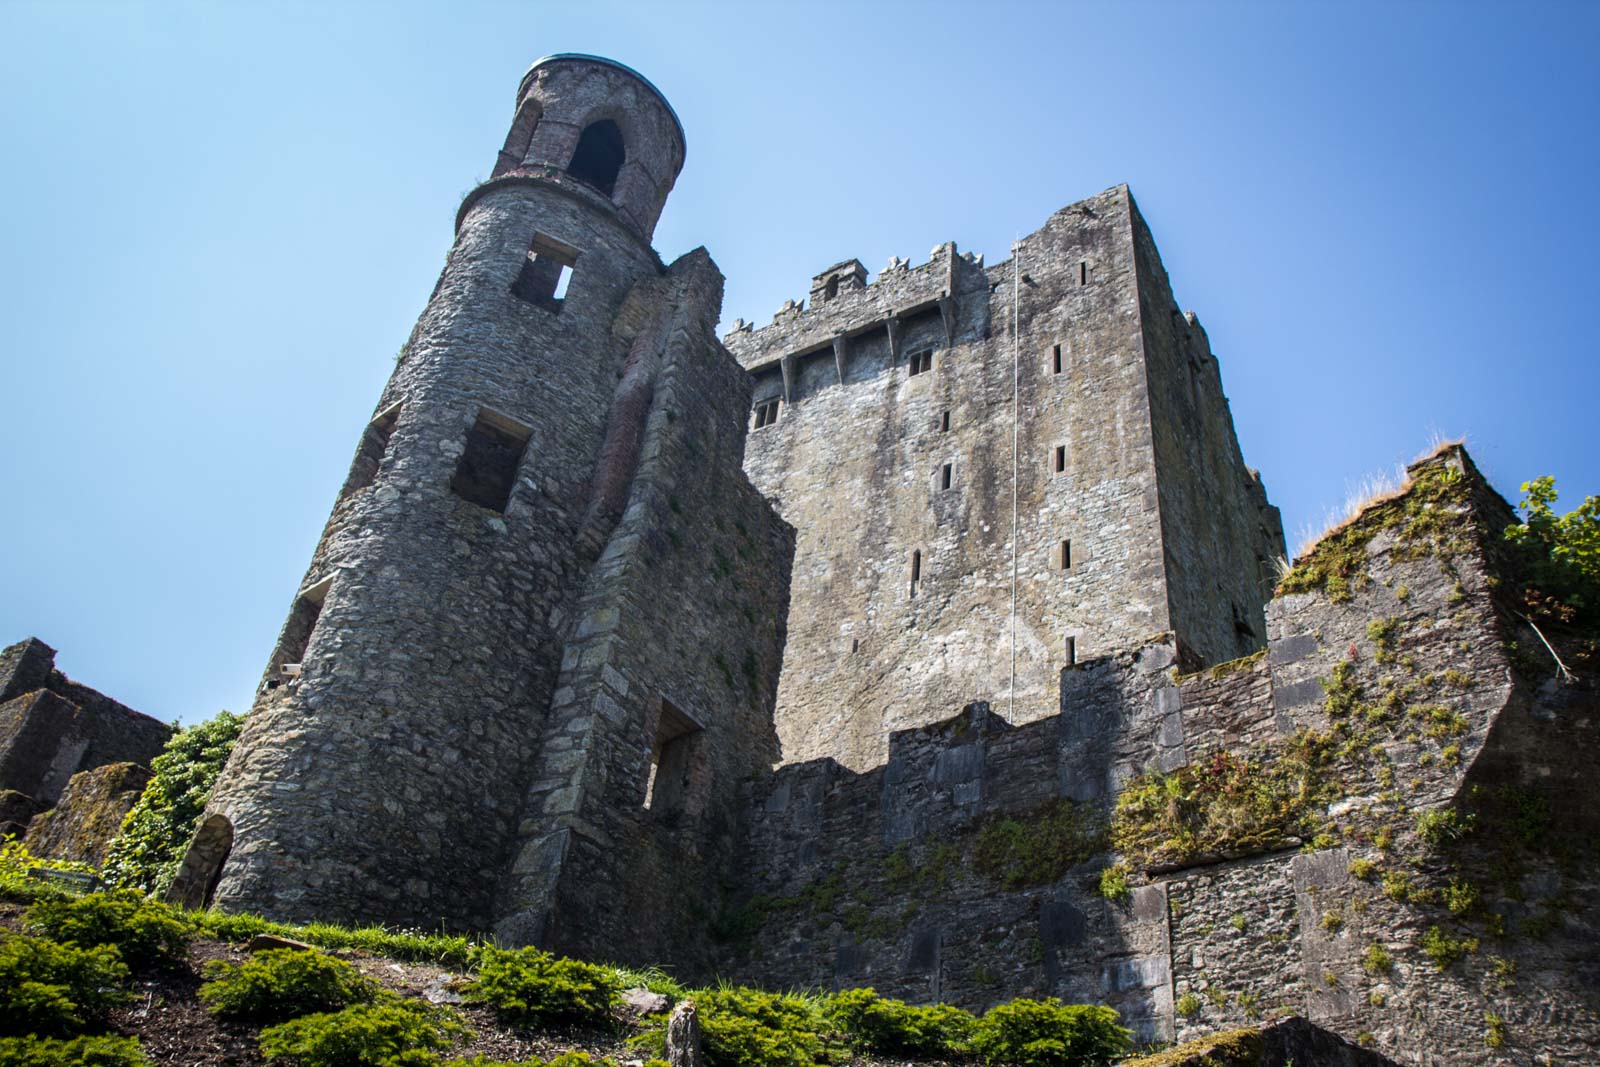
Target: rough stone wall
51, 727
386, 782
1166, 528
1220, 537
90, 813
1460, 937
682, 615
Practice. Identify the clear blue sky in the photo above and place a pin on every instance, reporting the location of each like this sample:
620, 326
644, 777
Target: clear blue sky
221, 221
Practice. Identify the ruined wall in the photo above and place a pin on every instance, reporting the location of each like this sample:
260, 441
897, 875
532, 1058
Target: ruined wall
664, 705
90, 813
1428, 892
1146, 520
51, 727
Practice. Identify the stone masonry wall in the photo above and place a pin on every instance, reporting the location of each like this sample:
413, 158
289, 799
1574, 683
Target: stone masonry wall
683, 616
865, 656
1439, 914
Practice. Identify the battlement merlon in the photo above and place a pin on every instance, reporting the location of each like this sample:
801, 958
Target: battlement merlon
844, 305
856, 308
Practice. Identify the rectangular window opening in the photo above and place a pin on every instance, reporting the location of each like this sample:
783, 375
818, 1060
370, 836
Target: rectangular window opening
1072, 651
1055, 360
916, 569
1060, 462
369, 454
945, 476
1066, 555
944, 422
1083, 273
922, 361
487, 469
674, 760
546, 272
297, 632
767, 412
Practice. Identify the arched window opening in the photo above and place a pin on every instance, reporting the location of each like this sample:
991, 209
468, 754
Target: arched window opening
201, 870
599, 156
518, 139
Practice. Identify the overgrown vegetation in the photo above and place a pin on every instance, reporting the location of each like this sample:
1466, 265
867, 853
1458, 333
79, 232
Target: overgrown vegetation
83, 1051
1226, 804
57, 990
143, 931
1048, 1033
895, 1028
530, 987
146, 854
391, 1033
1039, 847
280, 984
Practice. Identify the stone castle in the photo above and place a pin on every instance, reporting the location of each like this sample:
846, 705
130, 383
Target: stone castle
825, 652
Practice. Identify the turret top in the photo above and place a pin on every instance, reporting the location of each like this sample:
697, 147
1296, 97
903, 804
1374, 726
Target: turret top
584, 57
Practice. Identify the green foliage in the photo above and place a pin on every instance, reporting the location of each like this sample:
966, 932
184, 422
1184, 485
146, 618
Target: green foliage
1226, 804
1362, 869
1441, 948
1230, 1048
894, 1028
50, 988
388, 1033
1114, 883
1494, 1032
146, 854
15, 863
450, 950
1460, 897
744, 1026
144, 931
1376, 960
1441, 826
1048, 1033
573, 1059
281, 984
1563, 552
76, 1052
1039, 847
156, 832
531, 987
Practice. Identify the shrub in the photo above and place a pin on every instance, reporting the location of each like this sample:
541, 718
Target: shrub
747, 1026
895, 1028
531, 987
391, 1033
283, 983
1441, 948
1114, 883
450, 950
146, 853
15, 863
77, 1052
1048, 1033
144, 931
1563, 552
46, 988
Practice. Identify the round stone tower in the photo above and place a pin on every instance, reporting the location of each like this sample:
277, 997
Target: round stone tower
382, 771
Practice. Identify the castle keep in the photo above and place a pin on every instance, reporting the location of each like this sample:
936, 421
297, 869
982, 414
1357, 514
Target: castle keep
862, 647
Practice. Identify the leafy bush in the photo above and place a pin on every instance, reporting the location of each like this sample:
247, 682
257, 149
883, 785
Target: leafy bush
742, 1026
390, 1033
1563, 551
144, 931
146, 854
1048, 1033
1114, 883
894, 1028
77, 1052
47, 988
450, 950
15, 863
531, 987
283, 983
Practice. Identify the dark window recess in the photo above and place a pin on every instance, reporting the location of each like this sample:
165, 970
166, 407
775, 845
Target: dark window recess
1066, 555
487, 468
767, 412
1055, 360
944, 422
369, 456
832, 289
1083, 274
1242, 627
545, 273
916, 569
922, 361
1072, 651
297, 633
944, 476
599, 156
1060, 462
674, 761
